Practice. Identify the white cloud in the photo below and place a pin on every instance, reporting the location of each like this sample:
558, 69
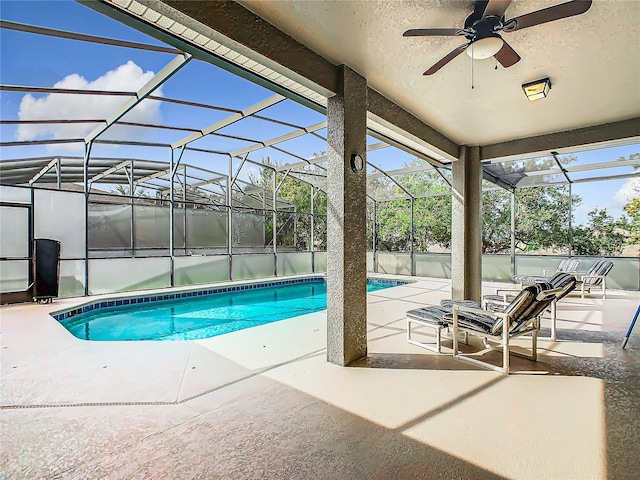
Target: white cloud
629, 190
128, 77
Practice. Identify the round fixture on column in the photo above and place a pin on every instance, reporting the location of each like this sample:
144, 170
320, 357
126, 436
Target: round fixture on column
357, 163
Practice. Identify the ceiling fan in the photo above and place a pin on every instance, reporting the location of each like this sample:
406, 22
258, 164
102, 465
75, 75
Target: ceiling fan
482, 27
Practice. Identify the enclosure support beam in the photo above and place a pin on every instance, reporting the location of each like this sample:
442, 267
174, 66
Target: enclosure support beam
275, 222
374, 239
570, 221
411, 240
346, 221
44, 170
513, 232
59, 173
87, 155
230, 181
132, 188
172, 225
466, 226
162, 76
313, 227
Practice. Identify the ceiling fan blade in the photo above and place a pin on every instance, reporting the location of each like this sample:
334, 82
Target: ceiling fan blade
431, 32
446, 59
550, 14
496, 8
507, 56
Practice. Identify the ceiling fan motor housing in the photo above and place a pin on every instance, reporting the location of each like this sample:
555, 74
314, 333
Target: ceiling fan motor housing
485, 42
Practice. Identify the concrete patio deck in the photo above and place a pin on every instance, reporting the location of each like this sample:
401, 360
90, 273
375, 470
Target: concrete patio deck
263, 403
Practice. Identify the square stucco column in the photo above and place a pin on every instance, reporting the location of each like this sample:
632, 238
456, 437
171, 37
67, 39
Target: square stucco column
346, 221
466, 226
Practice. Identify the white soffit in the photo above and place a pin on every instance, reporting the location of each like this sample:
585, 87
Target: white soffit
170, 20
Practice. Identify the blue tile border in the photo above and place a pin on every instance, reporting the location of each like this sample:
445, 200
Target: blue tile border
108, 303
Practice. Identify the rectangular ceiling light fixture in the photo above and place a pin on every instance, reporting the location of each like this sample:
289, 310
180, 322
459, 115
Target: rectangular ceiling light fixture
537, 90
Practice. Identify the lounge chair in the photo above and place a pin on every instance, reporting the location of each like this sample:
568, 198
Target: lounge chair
564, 282
596, 277
433, 317
521, 316
567, 265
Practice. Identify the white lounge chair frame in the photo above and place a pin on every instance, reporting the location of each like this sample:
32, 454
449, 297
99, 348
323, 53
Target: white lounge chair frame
439, 330
587, 287
531, 328
505, 301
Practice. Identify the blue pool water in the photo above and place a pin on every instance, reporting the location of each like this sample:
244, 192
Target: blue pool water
204, 316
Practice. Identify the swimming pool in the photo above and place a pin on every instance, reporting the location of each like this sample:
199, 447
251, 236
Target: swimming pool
201, 314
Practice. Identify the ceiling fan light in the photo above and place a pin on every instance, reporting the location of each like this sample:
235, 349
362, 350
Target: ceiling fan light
537, 90
485, 47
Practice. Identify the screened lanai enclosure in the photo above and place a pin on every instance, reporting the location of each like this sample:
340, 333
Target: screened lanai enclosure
156, 168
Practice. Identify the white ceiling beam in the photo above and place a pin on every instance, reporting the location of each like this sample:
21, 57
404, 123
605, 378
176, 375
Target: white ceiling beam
44, 170
201, 184
282, 138
159, 174
111, 170
229, 120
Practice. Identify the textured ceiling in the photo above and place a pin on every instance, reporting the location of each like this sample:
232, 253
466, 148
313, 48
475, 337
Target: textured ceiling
593, 61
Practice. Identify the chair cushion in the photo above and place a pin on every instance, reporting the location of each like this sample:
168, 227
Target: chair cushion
601, 267
568, 265
542, 300
433, 314
564, 281
473, 321
529, 278
495, 298
517, 307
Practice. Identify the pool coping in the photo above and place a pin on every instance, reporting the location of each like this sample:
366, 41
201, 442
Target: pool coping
133, 298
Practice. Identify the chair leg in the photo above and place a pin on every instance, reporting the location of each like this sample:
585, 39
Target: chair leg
455, 332
534, 343
554, 312
505, 351
428, 346
604, 288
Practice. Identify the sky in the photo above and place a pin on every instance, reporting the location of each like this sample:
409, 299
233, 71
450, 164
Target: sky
37, 60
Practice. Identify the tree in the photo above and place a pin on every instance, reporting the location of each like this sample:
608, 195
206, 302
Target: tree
432, 210
496, 221
294, 226
633, 210
542, 217
603, 235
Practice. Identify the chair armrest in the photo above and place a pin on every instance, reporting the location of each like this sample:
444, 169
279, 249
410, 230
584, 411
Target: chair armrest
486, 304
490, 313
544, 271
508, 290
584, 277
